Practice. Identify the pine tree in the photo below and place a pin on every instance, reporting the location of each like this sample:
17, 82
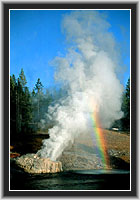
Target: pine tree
13, 86
39, 95
33, 93
20, 104
126, 107
124, 122
19, 101
24, 103
22, 78
26, 110
38, 86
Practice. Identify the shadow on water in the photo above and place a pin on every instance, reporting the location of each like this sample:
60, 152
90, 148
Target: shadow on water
70, 180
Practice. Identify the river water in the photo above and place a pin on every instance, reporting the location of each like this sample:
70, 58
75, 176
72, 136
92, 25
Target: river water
71, 180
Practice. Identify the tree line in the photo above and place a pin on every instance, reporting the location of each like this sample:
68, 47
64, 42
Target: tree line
27, 108
124, 123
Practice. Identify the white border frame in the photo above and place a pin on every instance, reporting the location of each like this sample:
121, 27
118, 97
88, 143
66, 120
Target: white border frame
9, 98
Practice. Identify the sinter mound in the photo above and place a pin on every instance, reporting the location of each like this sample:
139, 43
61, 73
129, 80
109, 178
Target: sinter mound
31, 163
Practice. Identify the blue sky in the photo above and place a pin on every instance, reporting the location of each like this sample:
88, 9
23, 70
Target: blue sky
36, 38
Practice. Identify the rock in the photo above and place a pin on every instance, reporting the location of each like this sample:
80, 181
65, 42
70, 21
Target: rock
31, 163
14, 155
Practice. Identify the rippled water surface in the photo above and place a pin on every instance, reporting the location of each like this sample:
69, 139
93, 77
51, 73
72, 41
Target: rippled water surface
72, 180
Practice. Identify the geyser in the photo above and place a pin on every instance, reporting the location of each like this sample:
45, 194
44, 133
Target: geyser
88, 73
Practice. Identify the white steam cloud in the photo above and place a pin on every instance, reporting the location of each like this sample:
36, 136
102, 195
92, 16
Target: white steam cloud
88, 71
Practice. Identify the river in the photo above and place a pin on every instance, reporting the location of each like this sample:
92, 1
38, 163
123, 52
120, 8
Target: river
70, 180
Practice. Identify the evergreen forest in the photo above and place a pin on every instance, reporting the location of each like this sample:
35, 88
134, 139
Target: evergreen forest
28, 108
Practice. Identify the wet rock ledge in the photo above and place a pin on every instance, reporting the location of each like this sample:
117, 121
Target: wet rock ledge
31, 163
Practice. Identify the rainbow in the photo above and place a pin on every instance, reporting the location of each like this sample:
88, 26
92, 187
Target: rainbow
100, 140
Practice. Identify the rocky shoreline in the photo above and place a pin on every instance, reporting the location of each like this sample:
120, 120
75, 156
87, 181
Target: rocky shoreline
81, 156
70, 160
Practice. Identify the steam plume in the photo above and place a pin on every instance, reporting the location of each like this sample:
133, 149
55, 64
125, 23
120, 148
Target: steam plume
88, 72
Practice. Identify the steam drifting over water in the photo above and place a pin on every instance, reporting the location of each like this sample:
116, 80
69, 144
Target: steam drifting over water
88, 72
